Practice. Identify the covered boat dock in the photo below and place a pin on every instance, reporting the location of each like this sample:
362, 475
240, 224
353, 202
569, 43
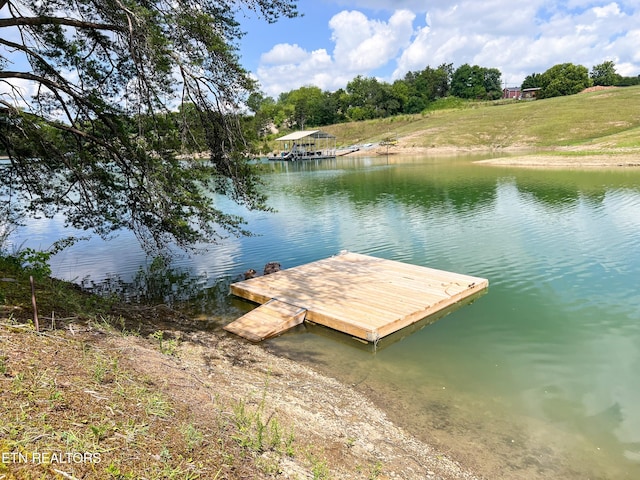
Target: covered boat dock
306, 145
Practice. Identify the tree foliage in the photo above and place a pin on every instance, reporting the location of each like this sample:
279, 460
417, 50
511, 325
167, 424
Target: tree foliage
531, 81
364, 98
476, 82
89, 90
425, 86
604, 74
564, 79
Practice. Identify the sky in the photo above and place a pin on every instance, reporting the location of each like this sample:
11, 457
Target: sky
336, 40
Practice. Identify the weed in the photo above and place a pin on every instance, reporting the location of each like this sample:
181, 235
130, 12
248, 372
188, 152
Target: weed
192, 436
319, 466
376, 471
256, 434
269, 464
165, 454
168, 347
56, 399
111, 324
179, 472
275, 434
244, 422
99, 370
132, 431
320, 469
17, 383
114, 471
99, 431
157, 406
288, 445
77, 441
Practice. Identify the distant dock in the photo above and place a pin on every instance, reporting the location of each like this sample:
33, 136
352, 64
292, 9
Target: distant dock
362, 296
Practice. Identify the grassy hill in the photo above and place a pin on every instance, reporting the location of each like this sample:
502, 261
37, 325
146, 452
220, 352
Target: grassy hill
598, 121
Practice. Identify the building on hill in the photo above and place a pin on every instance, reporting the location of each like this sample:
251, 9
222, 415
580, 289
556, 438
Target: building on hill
511, 92
530, 93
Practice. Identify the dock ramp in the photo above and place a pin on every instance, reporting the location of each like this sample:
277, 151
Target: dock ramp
268, 320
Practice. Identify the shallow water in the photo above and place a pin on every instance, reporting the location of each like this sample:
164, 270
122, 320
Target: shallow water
538, 378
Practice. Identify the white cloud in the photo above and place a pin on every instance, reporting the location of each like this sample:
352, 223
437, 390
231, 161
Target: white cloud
608, 10
519, 37
283, 54
17, 92
361, 46
311, 68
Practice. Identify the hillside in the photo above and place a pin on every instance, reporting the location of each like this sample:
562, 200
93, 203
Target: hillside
594, 123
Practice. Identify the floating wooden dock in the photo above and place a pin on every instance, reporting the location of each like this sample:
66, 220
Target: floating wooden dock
363, 296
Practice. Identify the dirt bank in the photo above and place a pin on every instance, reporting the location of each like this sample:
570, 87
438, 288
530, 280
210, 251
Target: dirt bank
352, 431
555, 158
197, 404
566, 161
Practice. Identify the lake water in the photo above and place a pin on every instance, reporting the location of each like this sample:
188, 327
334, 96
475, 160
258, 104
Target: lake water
537, 379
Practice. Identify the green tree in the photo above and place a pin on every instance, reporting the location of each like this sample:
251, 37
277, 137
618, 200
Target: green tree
531, 81
306, 104
476, 82
339, 103
97, 139
564, 79
363, 95
265, 114
492, 83
604, 74
628, 81
423, 87
401, 92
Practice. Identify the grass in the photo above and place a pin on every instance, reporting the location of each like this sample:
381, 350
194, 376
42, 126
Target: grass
607, 118
72, 408
55, 299
67, 397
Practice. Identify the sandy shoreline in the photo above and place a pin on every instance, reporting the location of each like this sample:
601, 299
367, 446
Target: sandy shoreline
349, 429
572, 161
519, 156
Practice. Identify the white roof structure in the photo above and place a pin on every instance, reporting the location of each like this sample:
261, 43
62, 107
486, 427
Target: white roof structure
305, 133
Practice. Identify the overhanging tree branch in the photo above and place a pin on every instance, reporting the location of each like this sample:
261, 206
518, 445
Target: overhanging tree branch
99, 140
69, 22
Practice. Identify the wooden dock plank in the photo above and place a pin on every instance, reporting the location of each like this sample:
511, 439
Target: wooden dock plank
364, 296
266, 321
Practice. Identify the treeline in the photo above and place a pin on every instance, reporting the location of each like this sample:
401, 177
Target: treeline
568, 79
362, 99
367, 98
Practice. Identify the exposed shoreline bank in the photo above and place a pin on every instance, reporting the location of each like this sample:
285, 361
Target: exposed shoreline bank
339, 433
520, 156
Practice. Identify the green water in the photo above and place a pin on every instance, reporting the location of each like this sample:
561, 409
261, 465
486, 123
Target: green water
537, 379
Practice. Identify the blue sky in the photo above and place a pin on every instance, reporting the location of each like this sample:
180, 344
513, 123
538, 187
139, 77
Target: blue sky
337, 40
